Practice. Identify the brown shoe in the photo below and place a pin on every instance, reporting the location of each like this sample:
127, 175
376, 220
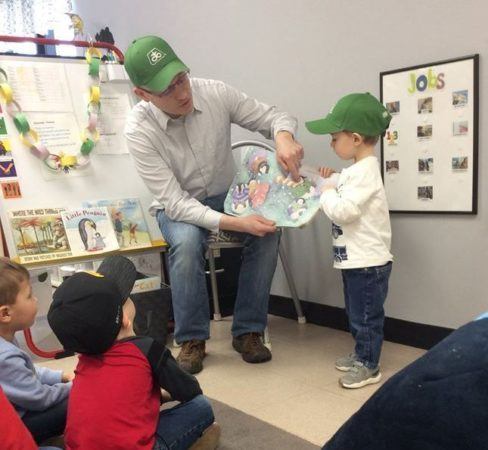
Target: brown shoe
191, 356
209, 439
251, 347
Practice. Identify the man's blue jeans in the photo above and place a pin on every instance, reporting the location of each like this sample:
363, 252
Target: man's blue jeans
188, 244
365, 293
181, 426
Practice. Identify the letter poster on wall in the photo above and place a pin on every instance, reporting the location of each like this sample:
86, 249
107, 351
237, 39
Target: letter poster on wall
429, 154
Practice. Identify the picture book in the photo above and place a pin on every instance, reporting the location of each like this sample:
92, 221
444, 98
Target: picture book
39, 234
128, 221
89, 231
261, 187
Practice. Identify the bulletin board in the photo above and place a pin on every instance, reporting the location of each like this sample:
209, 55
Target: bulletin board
53, 92
430, 151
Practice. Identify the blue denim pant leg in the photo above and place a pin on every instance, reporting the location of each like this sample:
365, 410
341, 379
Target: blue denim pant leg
347, 302
181, 426
258, 266
48, 423
366, 290
186, 260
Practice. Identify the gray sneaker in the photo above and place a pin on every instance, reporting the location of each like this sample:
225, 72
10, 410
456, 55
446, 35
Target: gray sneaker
346, 363
359, 375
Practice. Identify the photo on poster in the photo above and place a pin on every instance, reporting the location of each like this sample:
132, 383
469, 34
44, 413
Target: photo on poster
426, 165
39, 234
392, 166
460, 98
425, 193
425, 105
391, 137
459, 163
393, 107
7, 169
424, 131
460, 128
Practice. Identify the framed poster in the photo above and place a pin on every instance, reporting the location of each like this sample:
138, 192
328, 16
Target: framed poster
429, 154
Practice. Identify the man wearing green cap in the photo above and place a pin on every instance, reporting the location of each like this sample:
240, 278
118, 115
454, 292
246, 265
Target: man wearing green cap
180, 137
361, 228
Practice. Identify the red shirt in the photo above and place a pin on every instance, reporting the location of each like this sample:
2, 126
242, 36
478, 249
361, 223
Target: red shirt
114, 402
13, 433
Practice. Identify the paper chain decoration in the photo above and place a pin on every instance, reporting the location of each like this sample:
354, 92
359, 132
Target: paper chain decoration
29, 136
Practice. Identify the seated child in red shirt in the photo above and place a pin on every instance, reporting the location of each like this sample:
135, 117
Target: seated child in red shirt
116, 395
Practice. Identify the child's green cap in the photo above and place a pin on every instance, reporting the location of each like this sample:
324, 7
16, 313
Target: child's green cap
358, 113
152, 64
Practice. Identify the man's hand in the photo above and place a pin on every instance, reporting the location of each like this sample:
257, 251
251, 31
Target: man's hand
253, 224
289, 153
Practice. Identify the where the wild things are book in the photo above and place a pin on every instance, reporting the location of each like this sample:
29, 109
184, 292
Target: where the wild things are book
39, 234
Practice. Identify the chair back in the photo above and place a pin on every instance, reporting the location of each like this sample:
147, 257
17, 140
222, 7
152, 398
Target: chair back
240, 148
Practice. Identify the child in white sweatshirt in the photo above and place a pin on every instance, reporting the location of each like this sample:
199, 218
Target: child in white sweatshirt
361, 231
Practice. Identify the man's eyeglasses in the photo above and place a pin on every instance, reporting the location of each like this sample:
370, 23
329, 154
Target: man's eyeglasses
178, 81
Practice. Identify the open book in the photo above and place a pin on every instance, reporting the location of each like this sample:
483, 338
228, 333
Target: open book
261, 187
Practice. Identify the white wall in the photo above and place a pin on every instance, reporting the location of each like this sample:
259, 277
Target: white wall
304, 55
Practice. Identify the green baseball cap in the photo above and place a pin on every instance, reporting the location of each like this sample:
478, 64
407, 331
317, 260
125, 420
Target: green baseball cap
152, 64
358, 113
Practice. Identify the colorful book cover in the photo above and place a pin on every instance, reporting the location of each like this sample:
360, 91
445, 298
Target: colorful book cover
260, 187
39, 234
128, 221
89, 231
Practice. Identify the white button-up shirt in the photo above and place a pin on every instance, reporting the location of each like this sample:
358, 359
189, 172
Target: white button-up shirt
188, 159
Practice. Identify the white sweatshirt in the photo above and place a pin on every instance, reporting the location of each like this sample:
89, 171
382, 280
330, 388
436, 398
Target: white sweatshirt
360, 218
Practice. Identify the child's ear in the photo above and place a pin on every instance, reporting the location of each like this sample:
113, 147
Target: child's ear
5, 316
126, 323
357, 138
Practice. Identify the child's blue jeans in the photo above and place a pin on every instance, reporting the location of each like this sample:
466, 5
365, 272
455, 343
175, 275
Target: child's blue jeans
180, 427
48, 423
365, 291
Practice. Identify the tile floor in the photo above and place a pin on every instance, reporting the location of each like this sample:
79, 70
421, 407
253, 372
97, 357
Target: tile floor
298, 390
